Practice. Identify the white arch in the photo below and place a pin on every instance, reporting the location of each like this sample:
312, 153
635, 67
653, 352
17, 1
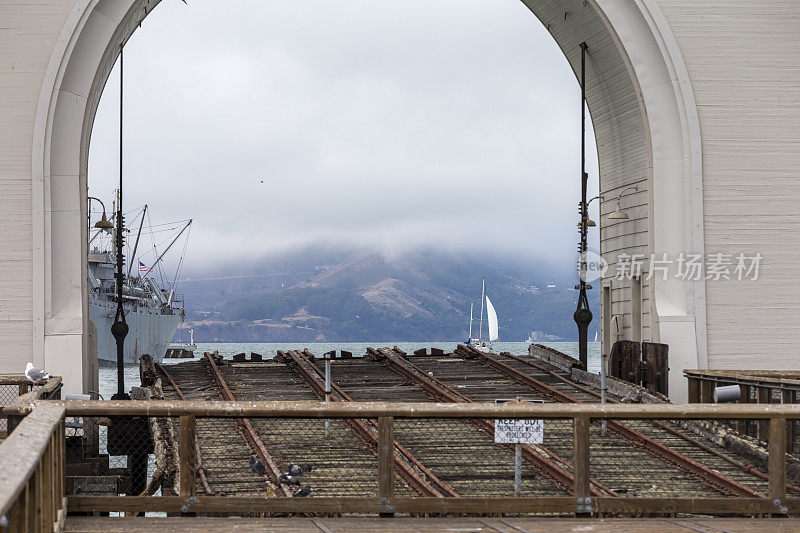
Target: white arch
640, 99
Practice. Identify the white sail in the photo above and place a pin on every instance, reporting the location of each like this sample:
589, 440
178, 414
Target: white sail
492, 316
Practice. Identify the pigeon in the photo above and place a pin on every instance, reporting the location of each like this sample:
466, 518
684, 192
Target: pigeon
34, 374
298, 470
303, 492
287, 479
257, 466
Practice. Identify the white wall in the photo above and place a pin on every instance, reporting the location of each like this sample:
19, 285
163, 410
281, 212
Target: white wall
744, 63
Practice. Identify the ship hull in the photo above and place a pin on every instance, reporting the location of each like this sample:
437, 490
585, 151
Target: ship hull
150, 331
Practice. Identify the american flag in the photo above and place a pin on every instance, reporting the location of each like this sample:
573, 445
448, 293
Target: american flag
142, 268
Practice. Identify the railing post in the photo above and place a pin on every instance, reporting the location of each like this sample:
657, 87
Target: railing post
694, 390
186, 453
777, 458
763, 425
385, 457
581, 460
744, 397
787, 397
707, 391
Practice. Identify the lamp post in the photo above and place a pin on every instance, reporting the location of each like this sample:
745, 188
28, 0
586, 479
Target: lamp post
583, 316
119, 329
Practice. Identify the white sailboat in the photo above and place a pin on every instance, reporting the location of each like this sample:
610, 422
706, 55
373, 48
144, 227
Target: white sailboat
491, 319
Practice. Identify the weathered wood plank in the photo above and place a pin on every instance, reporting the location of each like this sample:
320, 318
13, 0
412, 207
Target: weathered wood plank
313, 409
409, 525
22, 452
580, 446
216, 504
386, 457
187, 455
777, 458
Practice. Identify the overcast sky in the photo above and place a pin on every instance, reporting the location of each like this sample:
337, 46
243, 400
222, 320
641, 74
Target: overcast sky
389, 124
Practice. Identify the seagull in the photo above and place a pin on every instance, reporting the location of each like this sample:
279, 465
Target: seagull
303, 492
34, 374
257, 466
298, 470
287, 479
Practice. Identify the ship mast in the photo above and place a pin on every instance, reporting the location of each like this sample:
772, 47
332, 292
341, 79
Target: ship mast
483, 299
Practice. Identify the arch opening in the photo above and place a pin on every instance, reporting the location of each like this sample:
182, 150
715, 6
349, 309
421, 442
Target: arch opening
644, 121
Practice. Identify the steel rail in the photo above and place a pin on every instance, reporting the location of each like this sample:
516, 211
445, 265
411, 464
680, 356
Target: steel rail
710, 477
396, 361
246, 428
200, 468
744, 467
300, 362
442, 486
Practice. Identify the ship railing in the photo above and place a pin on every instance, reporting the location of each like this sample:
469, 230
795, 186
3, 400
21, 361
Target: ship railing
193, 457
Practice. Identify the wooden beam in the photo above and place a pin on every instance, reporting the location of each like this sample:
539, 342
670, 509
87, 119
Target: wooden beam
707, 391
23, 404
777, 458
469, 505
694, 389
186, 455
23, 451
787, 397
744, 397
762, 396
310, 409
580, 450
385, 457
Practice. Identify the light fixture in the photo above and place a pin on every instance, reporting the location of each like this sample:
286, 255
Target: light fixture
103, 224
589, 222
618, 214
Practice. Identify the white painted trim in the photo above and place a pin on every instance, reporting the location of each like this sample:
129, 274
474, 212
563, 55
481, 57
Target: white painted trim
40, 168
693, 154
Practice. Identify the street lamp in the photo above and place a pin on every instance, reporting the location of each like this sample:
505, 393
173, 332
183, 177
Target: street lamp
618, 214
589, 222
582, 315
103, 224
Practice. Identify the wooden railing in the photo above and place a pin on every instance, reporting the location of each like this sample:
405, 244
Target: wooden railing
28, 395
386, 503
32, 472
756, 387
23, 486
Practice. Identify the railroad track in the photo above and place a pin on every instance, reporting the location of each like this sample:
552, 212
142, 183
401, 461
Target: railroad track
406, 464
743, 467
201, 471
712, 478
544, 461
457, 453
247, 431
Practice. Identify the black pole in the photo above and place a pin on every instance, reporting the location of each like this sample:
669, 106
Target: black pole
583, 316
120, 328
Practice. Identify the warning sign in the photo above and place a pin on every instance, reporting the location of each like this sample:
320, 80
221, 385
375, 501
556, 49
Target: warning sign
523, 431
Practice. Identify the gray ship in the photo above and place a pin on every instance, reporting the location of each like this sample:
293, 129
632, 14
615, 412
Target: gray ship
153, 311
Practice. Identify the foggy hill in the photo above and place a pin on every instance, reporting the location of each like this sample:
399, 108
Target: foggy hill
320, 294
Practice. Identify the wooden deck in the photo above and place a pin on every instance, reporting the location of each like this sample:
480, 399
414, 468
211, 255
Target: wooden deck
407, 525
